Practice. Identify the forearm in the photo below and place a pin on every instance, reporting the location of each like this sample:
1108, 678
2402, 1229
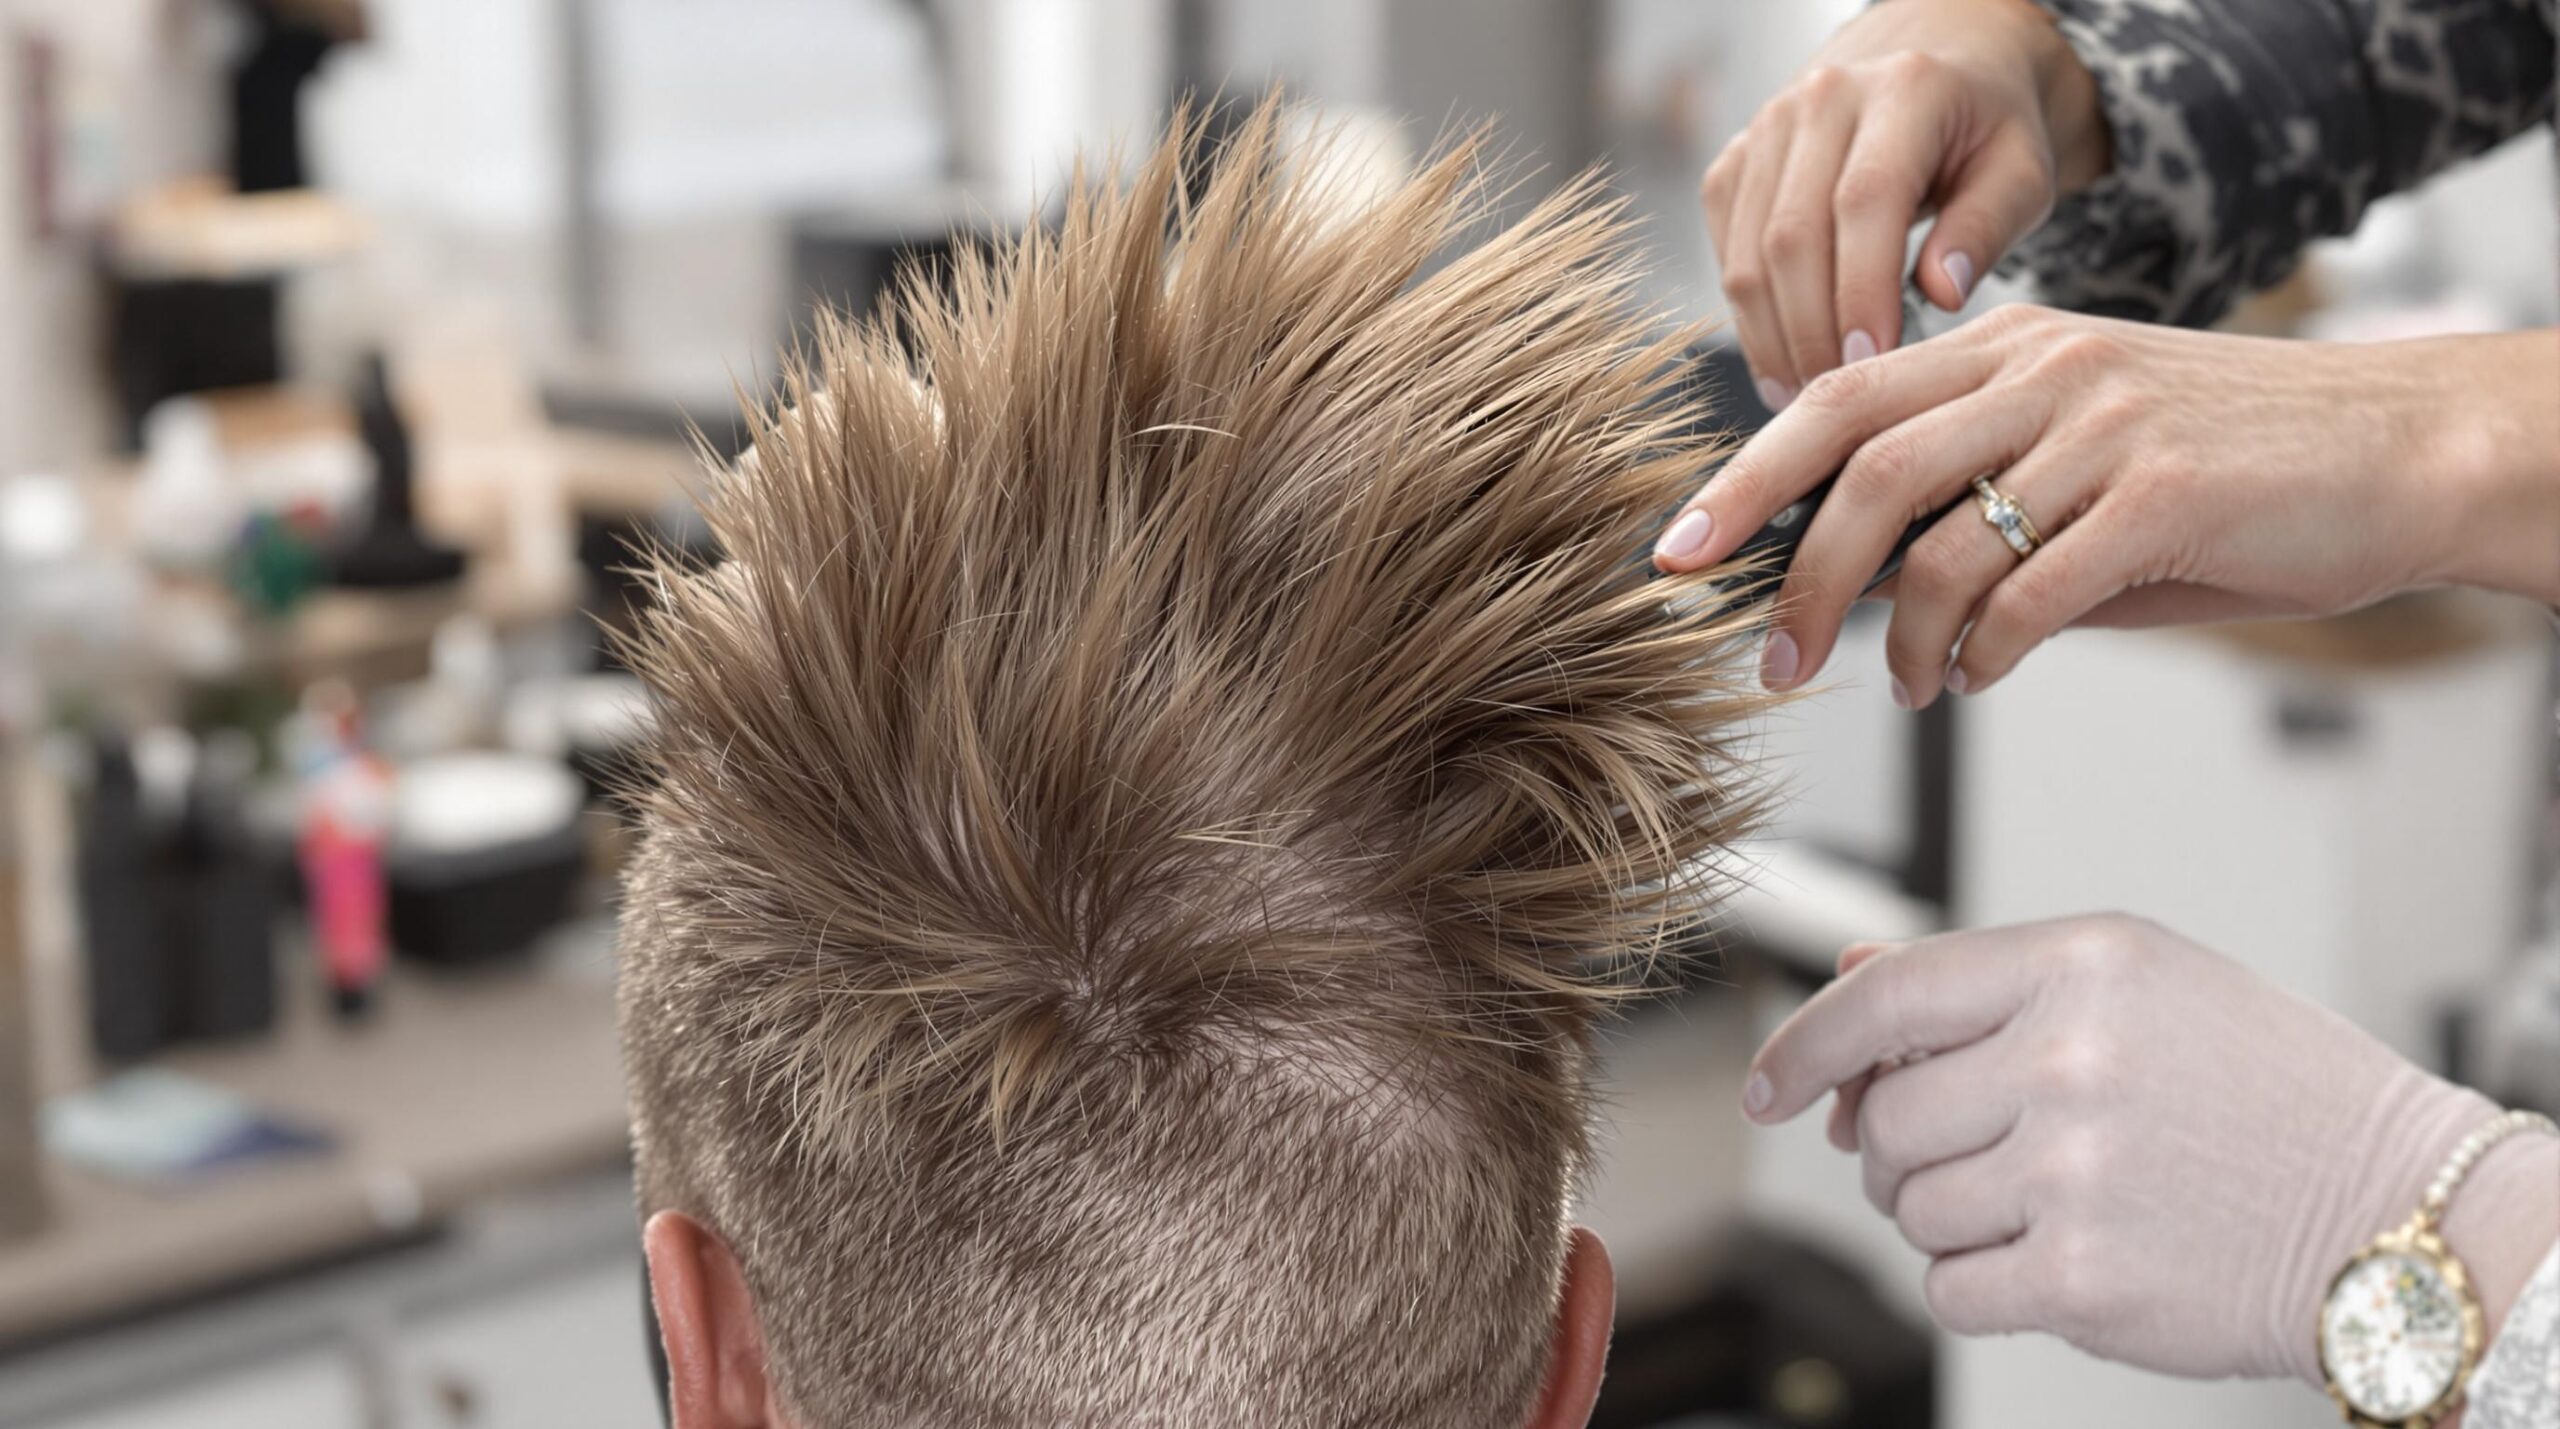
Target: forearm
2209, 193
2074, 115
2490, 433
2243, 131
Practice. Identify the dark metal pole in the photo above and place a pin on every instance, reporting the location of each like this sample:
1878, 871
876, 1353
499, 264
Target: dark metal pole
1930, 872
21, 1167
586, 276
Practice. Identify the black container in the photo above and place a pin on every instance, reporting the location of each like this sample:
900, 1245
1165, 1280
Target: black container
459, 908
123, 897
226, 889
167, 337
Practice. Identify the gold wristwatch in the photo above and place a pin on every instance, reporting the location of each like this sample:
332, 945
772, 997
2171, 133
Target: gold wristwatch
2402, 1329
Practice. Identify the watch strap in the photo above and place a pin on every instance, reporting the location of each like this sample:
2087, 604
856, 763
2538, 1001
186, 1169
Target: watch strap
2467, 1155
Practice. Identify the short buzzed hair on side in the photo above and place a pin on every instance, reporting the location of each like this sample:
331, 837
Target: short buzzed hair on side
1179, 752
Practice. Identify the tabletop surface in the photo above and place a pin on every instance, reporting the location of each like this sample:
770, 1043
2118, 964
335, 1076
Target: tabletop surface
456, 1088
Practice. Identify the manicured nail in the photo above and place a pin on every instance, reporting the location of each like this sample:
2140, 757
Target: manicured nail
1858, 346
1774, 395
1959, 272
1956, 682
1757, 1096
1778, 661
1901, 694
1686, 536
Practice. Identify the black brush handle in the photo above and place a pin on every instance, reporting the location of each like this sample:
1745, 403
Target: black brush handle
1778, 540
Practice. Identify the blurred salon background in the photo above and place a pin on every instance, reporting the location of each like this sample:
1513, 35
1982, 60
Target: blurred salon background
346, 346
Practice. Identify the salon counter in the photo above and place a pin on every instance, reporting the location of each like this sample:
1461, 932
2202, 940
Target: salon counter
455, 1089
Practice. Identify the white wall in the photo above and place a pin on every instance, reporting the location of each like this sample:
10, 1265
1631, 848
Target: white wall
1435, 67
452, 112
712, 122
1330, 51
447, 114
1040, 80
752, 104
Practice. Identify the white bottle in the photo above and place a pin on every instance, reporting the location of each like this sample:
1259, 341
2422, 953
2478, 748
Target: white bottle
186, 514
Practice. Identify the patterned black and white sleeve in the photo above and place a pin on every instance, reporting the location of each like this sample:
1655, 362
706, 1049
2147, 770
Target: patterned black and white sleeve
2518, 1382
2244, 129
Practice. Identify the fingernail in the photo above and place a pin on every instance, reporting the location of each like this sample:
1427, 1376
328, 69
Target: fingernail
1757, 1096
1686, 535
1901, 694
1959, 272
1858, 346
1956, 682
1774, 395
1778, 661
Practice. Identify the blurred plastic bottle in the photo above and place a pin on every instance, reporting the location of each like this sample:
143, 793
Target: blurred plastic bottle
185, 513
346, 820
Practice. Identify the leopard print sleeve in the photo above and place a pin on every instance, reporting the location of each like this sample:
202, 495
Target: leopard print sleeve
2244, 129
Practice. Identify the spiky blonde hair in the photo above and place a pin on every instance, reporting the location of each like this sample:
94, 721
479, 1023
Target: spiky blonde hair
1150, 801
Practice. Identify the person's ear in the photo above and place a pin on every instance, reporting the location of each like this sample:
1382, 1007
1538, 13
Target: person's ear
1585, 1313
715, 1351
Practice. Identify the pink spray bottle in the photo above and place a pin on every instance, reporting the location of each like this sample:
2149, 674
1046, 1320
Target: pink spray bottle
346, 819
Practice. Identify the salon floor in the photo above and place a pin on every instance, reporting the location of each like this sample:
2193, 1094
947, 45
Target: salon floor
526, 1314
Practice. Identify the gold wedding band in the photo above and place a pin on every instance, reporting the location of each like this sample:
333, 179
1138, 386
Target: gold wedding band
2007, 517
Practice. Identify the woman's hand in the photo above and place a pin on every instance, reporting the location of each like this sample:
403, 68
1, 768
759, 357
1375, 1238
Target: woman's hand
2102, 1131
2175, 476
1974, 109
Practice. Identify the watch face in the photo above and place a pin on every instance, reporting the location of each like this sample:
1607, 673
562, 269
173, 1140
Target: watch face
2392, 1335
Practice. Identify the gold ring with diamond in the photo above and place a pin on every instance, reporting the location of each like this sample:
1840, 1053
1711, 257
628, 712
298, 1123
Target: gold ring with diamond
2007, 517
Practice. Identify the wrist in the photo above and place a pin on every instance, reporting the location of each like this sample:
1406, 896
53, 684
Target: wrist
2487, 445
2075, 119
2504, 1220
2501, 1219
2395, 1146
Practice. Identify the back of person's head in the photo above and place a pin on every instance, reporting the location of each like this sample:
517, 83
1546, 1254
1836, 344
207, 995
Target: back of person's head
1178, 753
